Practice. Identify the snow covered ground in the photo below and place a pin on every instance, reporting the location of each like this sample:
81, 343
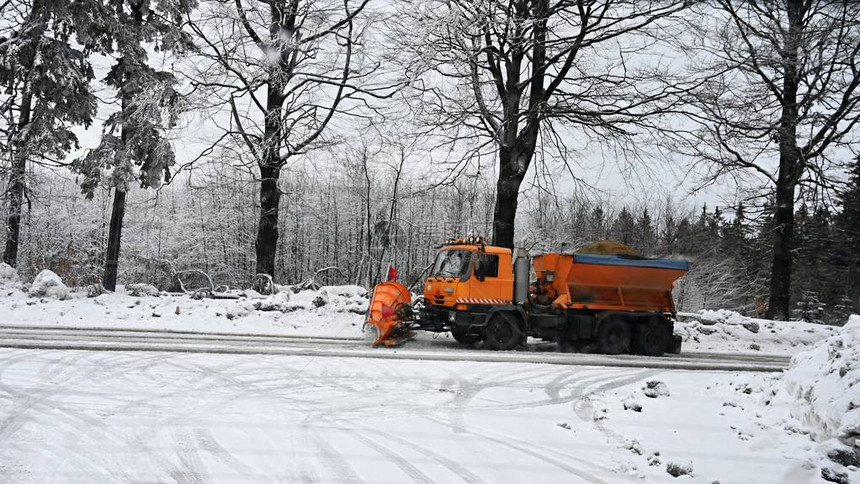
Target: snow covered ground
331, 311
73, 416
156, 417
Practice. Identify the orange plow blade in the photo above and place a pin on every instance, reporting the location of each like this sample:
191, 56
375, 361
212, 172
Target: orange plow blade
384, 318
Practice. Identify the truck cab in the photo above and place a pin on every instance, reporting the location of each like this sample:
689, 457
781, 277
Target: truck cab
464, 275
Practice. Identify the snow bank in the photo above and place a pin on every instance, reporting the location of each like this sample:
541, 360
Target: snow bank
329, 311
724, 330
338, 299
48, 284
824, 384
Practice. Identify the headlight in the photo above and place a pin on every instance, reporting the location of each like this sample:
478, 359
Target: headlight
452, 316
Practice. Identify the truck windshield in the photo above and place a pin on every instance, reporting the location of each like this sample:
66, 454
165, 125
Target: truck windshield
453, 263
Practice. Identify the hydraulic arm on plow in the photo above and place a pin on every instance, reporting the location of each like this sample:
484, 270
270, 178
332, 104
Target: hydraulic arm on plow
611, 301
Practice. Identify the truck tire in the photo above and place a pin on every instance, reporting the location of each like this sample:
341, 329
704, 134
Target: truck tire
503, 332
652, 337
613, 337
465, 337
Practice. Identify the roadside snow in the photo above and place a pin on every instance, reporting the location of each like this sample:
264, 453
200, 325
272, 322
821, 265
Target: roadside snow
809, 418
328, 311
825, 386
728, 331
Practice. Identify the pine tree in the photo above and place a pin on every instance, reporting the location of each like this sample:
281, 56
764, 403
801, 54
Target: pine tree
645, 234
847, 227
47, 79
133, 146
624, 228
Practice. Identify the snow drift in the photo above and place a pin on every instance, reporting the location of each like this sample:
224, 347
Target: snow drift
824, 383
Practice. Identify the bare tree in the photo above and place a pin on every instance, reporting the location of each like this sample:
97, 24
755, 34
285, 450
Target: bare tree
780, 104
510, 77
282, 70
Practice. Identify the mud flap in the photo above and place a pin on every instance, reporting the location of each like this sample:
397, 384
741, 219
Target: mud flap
675, 347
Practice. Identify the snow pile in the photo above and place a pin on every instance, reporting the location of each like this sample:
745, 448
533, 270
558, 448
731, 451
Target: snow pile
724, 330
338, 299
824, 384
141, 290
48, 284
8, 273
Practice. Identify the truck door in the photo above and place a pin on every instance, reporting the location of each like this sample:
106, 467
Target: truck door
485, 285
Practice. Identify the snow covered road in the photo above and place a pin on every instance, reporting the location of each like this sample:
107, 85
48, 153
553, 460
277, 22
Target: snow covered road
29, 337
115, 416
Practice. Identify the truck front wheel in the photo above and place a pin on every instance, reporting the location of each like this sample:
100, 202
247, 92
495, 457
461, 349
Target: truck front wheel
502, 333
614, 336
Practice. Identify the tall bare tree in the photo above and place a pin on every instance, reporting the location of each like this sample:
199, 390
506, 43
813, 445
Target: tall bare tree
516, 75
284, 70
780, 106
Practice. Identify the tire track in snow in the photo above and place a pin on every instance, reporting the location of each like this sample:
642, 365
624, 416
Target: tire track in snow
460, 470
34, 408
334, 460
210, 444
410, 470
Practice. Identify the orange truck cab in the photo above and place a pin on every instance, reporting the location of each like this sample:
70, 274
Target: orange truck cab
608, 303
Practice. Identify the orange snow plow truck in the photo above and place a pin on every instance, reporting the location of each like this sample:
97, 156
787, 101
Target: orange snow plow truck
611, 303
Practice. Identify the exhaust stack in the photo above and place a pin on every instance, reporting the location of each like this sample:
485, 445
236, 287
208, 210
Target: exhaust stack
521, 276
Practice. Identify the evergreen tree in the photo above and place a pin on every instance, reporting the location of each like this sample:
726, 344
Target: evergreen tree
133, 146
847, 227
645, 234
624, 228
47, 78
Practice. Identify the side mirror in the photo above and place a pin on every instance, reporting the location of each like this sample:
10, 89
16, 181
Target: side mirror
479, 271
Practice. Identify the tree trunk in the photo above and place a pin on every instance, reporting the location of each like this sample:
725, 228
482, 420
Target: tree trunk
17, 185
16, 203
507, 192
267, 231
114, 236
789, 168
783, 246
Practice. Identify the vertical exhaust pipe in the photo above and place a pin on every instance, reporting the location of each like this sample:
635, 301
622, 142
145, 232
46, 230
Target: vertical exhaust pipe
521, 276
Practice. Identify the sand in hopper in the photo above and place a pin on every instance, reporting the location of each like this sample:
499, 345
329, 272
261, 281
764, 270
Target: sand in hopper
608, 247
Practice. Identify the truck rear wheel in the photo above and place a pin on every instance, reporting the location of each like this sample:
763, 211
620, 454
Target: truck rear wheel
465, 337
652, 337
614, 336
502, 333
